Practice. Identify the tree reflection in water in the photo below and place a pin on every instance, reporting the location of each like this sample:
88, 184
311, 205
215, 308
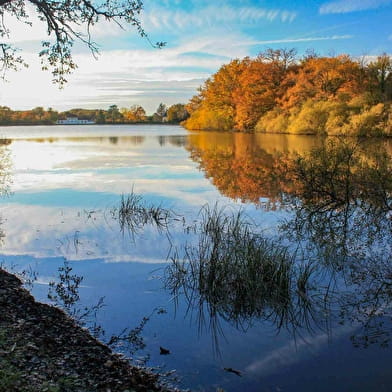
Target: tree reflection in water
337, 268
5, 176
344, 216
247, 166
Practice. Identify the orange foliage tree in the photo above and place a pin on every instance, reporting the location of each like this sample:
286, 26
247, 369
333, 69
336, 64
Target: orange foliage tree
278, 92
323, 78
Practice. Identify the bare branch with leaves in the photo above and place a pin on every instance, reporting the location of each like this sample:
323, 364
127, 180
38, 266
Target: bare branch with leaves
67, 22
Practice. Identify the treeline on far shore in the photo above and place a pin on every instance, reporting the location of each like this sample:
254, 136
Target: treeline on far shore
113, 115
280, 93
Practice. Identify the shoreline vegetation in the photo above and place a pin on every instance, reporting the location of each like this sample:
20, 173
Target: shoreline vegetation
42, 348
277, 92
113, 115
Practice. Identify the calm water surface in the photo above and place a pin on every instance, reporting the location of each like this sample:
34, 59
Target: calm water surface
62, 186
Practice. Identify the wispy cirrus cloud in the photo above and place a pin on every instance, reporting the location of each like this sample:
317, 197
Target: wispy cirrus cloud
345, 6
298, 40
211, 16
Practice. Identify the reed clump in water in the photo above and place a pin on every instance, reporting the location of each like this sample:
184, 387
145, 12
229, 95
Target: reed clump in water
232, 271
133, 214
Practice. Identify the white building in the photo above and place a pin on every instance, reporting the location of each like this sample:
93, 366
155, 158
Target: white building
74, 121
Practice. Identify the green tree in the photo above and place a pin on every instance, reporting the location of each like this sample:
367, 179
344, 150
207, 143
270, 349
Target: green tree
161, 110
38, 112
5, 115
66, 22
160, 113
100, 117
51, 116
113, 115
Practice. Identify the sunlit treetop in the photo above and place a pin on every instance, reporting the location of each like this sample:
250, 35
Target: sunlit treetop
66, 21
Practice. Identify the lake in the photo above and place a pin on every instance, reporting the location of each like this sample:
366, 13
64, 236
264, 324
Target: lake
297, 297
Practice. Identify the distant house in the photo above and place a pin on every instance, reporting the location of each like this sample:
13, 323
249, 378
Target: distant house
74, 121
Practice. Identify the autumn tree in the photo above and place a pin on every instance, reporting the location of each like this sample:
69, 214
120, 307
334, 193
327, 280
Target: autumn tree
38, 112
66, 22
5, 115
135, 113
261, 85
177, 113
276, 92
380, 72
194, 103
217, 108
325, 78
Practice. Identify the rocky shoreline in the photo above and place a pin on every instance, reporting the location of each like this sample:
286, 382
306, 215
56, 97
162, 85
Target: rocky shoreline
43, 349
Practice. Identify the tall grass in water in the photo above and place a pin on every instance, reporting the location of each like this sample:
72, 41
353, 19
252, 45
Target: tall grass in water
233, 272
133, 214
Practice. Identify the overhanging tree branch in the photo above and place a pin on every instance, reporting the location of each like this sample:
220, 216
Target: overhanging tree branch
67, 21
2, 2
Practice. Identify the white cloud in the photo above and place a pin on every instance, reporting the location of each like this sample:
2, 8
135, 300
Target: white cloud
139, 76
126, 77
160, 18
157, 18
293, 352
20, 31
306, 39
344, 6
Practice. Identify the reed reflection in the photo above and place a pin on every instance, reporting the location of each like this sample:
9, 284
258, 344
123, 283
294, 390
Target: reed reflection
232, 272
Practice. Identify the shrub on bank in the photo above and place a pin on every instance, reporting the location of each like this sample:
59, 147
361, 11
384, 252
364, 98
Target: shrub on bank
371, 121
330, 118
274, 121
208, 120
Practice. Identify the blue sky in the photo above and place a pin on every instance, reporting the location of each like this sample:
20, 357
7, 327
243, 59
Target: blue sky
201, 36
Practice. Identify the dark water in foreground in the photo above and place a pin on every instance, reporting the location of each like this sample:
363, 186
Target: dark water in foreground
321, 320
